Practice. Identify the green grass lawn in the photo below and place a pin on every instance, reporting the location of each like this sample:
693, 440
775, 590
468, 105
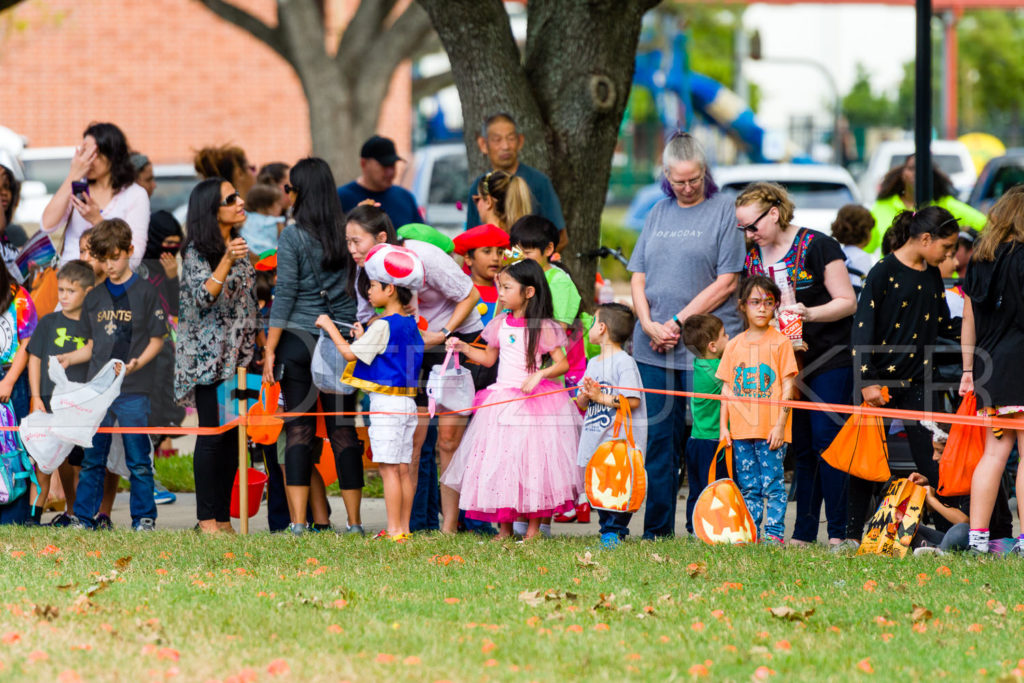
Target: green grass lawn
106, 606
176, 474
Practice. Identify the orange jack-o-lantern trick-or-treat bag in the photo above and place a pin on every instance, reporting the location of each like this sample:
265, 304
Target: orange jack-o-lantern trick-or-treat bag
720, 515
615, 477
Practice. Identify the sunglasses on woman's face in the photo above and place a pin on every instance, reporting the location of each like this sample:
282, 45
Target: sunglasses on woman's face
752, 227
231, 199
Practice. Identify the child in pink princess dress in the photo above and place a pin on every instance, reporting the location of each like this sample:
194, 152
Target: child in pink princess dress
519, 458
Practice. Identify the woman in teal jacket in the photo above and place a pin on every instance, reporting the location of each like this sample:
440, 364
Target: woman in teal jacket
896, 194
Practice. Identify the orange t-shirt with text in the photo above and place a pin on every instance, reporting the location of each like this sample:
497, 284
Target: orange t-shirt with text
755, 369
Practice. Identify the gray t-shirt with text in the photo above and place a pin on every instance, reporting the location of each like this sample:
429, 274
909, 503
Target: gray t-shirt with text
682, 251
618, 370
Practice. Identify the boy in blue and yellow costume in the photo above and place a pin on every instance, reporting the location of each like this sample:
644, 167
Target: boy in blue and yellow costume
385, 361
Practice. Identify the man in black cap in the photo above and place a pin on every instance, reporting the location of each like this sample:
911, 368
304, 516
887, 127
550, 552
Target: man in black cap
376, 180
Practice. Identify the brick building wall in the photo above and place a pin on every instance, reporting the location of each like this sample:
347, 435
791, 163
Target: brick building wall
170, 73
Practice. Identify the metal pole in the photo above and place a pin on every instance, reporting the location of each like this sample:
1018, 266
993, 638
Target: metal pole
950, 74
243, 455
923, 105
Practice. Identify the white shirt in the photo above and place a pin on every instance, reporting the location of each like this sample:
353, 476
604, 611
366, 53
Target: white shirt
130, 204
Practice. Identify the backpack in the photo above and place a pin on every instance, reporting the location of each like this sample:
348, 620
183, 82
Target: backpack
15, 466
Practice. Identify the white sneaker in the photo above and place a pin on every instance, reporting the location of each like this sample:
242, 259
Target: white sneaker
927, 550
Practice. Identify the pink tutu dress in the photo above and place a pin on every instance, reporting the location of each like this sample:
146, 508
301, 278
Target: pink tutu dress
518, 459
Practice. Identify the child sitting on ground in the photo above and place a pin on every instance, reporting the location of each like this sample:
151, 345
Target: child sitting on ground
385, 362
759, 363
57, 333
705, 336
613, 367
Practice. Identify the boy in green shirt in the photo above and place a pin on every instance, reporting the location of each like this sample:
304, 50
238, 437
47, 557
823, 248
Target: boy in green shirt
705, 336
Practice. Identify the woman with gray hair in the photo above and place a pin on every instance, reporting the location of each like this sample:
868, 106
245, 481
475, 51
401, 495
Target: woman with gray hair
687, 260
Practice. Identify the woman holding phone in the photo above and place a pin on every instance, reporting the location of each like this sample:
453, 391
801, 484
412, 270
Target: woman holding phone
100, 185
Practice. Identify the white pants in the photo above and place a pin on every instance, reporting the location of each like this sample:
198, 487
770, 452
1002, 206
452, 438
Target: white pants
391, 435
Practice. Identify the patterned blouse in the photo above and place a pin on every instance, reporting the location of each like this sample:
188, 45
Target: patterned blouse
216, 335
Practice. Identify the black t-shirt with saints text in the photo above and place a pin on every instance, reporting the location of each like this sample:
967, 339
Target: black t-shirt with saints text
56, 334
121, 321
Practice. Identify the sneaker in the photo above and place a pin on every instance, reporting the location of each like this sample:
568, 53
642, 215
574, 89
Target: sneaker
63, 519
317, 528
1018, 548
381, 535
103, 522
354, 529
144, 524
610, 540
927, 550
164, 497
773, 541
847, 547
78, 523
297, 528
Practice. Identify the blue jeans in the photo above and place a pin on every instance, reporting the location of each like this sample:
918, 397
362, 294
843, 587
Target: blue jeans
614, 522
814, 480
760, 478
17, 511
130, 410
699, 454
666, 436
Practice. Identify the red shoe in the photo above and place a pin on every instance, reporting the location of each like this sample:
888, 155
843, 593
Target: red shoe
583, 513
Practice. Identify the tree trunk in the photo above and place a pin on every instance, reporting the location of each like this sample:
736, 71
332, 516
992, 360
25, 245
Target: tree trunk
568, 98
345, 91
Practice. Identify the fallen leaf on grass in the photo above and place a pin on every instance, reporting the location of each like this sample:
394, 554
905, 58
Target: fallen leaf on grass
69, 676
974, 628
452, 601
920, 613
10, 637
865, 666
47, 612
535, 598
870, 585
37, 656
655, 557
587, 560
278, 667
122, 563
790, 614
763, 672
997, 607
698, 670
411, 660
944, 571
695, 569
66, 586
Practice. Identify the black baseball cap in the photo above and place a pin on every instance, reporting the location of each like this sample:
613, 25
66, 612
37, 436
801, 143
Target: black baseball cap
381, 150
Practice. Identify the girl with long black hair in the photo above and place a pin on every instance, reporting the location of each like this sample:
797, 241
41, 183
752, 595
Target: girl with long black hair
315, 276
902, 312
217, 328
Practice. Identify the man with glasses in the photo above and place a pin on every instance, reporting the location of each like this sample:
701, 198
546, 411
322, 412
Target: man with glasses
500, 142
376, 181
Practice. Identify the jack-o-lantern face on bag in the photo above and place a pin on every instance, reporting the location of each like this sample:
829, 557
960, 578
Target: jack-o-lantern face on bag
615, 477
721, 516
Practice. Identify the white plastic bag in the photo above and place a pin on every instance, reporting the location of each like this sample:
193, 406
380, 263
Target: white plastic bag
450, 388
327, 366
76, 411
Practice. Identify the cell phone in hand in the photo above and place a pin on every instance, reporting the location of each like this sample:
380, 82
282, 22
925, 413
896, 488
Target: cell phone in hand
80, 188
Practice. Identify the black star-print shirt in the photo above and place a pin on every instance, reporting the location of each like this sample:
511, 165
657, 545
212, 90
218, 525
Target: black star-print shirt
901, 313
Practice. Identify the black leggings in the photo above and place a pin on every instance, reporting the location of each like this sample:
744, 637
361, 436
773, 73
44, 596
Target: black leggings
920, 441
215, 461
293, 355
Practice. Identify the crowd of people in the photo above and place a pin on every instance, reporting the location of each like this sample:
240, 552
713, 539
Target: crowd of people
280, 264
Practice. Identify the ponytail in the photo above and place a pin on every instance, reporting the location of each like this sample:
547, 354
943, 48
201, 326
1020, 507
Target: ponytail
933, 220
518, 201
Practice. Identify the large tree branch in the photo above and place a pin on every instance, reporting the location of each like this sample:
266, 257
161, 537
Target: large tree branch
406, 37
362, 34
270, 35
428, 85
7, 4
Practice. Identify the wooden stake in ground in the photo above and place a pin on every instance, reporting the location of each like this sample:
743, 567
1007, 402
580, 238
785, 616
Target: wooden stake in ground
243, 453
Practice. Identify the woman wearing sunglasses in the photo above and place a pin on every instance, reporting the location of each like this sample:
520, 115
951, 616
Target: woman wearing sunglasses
687, 260
816, 269
217, 333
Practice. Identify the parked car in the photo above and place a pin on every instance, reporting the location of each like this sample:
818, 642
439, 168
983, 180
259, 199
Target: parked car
949, 156
439, 179
818, 191
174, 183
998, 176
